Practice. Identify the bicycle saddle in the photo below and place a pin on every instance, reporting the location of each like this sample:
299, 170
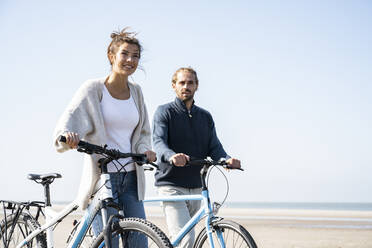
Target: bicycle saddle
43, 177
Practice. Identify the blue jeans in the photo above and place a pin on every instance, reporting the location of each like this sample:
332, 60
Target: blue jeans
125, 194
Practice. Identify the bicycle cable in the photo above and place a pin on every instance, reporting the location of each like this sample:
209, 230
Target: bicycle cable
117, 164
227, 182
106, 181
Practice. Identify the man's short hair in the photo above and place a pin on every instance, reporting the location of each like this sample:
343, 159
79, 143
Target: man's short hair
187, 69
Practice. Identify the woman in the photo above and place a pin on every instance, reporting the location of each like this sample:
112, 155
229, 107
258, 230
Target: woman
111, 111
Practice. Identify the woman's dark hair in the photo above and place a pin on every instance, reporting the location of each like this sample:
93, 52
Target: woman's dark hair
120, 37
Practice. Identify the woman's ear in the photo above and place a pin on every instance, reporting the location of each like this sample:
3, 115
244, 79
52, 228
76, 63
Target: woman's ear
111, 58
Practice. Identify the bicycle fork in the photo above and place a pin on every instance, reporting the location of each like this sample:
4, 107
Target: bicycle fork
105, 196
210, 227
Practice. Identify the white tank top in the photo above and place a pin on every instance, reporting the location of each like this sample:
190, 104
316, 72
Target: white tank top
121, 118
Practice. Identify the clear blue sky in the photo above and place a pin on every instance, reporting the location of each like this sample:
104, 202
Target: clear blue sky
289, 84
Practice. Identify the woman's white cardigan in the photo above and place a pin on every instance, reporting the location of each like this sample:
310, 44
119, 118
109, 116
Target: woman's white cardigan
84, 116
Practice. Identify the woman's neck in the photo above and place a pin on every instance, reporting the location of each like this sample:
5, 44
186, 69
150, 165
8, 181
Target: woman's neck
117, 85
118, 81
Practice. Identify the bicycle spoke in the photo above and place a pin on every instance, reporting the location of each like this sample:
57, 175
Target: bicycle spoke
16, 228
232, 234
135, 232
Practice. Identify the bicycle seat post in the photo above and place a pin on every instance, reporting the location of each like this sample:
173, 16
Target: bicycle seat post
45, 180
47, 193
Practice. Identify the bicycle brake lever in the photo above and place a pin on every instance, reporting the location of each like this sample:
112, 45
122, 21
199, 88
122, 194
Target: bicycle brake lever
231, 168
148, 162
148, 168
80, 149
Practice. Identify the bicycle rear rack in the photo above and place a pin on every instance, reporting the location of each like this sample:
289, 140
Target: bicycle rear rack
9, 208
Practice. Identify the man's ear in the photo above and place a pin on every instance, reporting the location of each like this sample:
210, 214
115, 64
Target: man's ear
173, 85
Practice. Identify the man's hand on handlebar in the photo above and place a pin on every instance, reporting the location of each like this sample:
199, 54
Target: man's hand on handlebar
233, 163
179, 159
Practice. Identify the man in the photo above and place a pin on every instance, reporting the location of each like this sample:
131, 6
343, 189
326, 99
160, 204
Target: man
182, 130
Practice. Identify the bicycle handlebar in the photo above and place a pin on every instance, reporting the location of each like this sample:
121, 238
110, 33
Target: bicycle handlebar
114, 154
210, 162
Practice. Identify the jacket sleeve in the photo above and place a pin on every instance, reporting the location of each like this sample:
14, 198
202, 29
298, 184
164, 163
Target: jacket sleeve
77, 117
216, 150
160, 135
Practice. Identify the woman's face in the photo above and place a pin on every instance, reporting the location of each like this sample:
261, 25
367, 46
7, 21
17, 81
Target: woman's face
125, 61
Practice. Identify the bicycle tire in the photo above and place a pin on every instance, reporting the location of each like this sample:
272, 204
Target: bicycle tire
131, 226
23, 226
234, 235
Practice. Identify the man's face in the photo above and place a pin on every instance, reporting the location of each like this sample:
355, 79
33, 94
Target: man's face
185, 86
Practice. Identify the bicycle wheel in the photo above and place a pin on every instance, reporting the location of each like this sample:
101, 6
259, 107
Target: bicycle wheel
88, 237
234, 235
13, 230
135, 232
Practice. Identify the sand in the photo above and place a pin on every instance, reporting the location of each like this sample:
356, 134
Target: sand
301, 228
277, 228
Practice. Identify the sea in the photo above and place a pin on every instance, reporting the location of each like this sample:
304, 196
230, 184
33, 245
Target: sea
347, 206
334, 206
311, 222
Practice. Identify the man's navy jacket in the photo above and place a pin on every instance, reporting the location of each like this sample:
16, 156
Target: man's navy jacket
177, 130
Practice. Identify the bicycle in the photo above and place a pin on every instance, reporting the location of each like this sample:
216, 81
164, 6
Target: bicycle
225, 233
21, 228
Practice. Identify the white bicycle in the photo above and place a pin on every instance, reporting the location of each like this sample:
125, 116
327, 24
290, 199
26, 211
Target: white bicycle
20, 226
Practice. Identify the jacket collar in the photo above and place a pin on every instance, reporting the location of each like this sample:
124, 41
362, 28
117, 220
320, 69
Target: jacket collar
181, 105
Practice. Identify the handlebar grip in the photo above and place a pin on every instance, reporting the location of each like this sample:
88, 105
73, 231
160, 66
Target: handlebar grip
81, 143
62, 139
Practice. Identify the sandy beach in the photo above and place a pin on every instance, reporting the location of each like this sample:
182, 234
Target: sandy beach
277, 228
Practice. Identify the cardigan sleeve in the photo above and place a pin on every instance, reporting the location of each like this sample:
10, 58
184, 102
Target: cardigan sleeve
144, 142
78, 116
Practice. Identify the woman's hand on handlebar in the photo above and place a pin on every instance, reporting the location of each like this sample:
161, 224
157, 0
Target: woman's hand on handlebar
150, 155
72, 139
233, 163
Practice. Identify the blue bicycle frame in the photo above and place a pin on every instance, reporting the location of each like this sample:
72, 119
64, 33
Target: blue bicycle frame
205, 210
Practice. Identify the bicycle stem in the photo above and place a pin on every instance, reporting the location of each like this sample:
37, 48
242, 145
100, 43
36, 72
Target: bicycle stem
203, 174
